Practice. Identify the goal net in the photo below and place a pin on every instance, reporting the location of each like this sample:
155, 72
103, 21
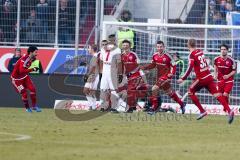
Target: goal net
175, 37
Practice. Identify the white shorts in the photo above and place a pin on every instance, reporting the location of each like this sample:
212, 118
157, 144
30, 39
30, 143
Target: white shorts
92, 85
108, 82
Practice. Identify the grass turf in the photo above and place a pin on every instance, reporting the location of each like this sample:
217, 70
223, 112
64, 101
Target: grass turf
117, 136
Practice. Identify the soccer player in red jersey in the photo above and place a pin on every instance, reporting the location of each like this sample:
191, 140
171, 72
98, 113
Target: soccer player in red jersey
136, 86
204, 79
225, 69
166, 68
21, 80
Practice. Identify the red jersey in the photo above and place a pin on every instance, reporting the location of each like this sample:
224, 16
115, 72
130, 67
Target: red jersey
198, 61
21, 68
224, 67
165, 64
130, 63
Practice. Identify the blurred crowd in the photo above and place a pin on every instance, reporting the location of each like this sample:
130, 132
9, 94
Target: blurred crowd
219, 11
38, 20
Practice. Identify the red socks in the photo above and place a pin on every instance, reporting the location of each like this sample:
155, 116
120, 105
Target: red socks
175, 97
223, 101
197, 103
33, 99
154, 101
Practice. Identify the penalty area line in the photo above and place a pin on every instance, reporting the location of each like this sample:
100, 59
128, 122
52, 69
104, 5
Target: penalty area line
16, 137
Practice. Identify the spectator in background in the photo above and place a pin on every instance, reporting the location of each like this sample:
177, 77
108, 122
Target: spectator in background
32, 27
17, 55
125, 33
229, 9
212, 11
8, 17
64, 36
222, 8
217, 20
42, 11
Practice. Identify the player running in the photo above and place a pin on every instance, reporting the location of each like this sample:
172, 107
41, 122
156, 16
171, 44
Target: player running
21, 80
136, 86
224, 69
204, 79
166, 68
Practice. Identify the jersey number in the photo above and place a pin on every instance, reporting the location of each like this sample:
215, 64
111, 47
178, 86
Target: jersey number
203, 62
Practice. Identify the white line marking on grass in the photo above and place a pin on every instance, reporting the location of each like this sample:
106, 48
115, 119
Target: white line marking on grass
19, 137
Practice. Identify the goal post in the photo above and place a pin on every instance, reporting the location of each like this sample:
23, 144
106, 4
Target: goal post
175, 37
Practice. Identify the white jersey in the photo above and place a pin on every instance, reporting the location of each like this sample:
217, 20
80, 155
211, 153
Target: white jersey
110, 61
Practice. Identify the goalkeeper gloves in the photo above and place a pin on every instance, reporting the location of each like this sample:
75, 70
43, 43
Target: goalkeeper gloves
35, 69
85, 78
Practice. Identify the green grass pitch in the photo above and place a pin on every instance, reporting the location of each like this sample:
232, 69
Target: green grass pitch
117, 137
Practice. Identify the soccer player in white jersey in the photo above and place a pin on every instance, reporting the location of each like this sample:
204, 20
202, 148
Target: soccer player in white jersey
92, 77
110, 59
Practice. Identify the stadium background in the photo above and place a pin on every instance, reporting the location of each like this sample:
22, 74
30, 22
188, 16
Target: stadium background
61, 41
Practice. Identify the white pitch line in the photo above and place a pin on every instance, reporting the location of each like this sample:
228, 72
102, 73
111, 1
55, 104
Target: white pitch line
19, 137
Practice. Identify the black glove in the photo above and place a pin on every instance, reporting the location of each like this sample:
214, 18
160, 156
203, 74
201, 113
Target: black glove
35, 69
120, 78
85, 78
82, 64
100, 76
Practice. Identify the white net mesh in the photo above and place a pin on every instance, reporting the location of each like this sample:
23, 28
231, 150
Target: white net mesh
175, 36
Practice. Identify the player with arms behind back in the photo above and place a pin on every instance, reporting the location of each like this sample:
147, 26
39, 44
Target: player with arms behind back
204, 79
21, 80
225, 69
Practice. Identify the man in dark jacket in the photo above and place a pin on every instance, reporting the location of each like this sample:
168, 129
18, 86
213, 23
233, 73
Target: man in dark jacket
14, 59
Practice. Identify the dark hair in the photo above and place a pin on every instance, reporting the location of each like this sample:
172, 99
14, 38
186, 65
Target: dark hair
129, 15
31, 49
104, 40
112, 36
126, 41
18, 50
223, 45
160, 42
192, 43
94, 47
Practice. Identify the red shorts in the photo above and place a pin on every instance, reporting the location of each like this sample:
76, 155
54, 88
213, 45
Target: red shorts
209, 84
225, 86
164, 83
136, 89
24, 84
